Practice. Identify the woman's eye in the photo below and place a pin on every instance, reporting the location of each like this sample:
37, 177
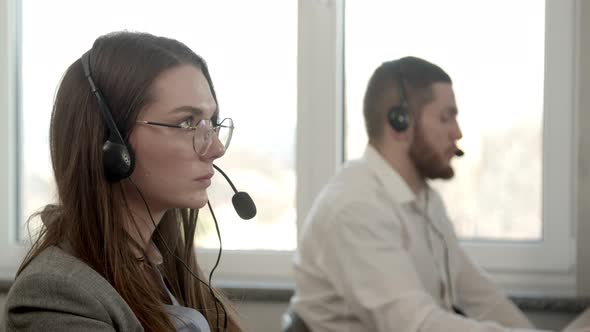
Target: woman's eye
187, 123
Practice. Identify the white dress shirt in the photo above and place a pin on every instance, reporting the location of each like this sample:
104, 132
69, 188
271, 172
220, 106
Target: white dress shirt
375, 257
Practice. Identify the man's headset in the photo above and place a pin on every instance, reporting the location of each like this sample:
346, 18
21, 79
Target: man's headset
119, 162
118, 158
398, 116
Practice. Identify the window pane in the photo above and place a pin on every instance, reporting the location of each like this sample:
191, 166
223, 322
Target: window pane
494, 52
251, 48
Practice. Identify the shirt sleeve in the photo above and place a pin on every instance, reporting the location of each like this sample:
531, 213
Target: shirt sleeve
51, 303
482, 299
476, 293
581, 323
375, 274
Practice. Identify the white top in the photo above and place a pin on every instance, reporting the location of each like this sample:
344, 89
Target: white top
185, 319
373, 257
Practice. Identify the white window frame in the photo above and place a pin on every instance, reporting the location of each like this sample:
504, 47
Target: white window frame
544, 267
548, 266
12, 251
319, 150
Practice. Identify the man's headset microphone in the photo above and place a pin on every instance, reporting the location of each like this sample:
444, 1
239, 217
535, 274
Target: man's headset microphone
398, 117
119, 162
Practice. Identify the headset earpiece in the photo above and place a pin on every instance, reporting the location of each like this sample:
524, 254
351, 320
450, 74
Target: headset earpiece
118, 157
118, 161
399, 117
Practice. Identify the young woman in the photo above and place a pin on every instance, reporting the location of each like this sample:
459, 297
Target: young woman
134, 132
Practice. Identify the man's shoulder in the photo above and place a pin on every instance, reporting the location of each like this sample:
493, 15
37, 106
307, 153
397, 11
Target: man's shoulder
353, 177
353, 188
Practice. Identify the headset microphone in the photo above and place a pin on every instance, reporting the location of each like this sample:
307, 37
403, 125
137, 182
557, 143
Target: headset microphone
243, 203
459, 153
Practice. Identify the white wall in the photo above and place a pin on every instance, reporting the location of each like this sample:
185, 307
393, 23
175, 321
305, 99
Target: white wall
2, 301
262, 316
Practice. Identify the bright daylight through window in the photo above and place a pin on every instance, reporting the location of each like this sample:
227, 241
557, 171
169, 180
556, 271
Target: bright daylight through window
496, 193
245, 57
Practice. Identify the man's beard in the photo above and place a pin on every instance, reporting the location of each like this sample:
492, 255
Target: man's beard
427, 162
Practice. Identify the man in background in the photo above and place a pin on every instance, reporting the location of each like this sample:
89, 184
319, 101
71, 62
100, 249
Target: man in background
378, 252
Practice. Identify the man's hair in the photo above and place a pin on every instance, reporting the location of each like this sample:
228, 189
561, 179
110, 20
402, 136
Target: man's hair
383, 91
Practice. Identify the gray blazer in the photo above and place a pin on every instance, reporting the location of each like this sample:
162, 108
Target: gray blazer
58, 292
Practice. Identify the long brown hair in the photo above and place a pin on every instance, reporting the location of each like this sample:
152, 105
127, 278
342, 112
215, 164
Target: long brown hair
91, 212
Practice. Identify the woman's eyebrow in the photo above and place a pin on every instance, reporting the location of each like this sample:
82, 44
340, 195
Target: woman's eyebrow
188, 109
194, 110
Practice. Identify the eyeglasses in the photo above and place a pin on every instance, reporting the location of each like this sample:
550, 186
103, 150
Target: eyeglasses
204, 130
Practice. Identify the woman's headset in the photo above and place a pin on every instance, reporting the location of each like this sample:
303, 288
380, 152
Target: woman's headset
118, 158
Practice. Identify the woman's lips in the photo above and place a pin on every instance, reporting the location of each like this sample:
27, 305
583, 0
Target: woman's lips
205, 179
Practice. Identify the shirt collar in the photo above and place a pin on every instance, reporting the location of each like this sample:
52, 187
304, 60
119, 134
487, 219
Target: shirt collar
391, 180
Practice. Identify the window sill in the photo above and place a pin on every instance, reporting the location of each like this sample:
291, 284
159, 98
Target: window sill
573, 305
563, 304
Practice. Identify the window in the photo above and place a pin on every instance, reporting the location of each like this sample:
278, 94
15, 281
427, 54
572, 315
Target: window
495, 54
245, 58
497, 72
376, 31
252, 57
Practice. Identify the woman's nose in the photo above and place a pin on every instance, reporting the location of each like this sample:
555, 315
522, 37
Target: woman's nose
457, 133
215, 150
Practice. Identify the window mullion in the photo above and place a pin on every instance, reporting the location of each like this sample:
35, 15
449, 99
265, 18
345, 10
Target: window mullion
8, 140
320, 98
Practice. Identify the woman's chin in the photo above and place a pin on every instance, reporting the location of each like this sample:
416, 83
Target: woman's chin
199, 202
192, 203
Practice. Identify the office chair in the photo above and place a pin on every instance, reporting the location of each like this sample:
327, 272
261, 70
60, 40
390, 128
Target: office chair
291, 322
